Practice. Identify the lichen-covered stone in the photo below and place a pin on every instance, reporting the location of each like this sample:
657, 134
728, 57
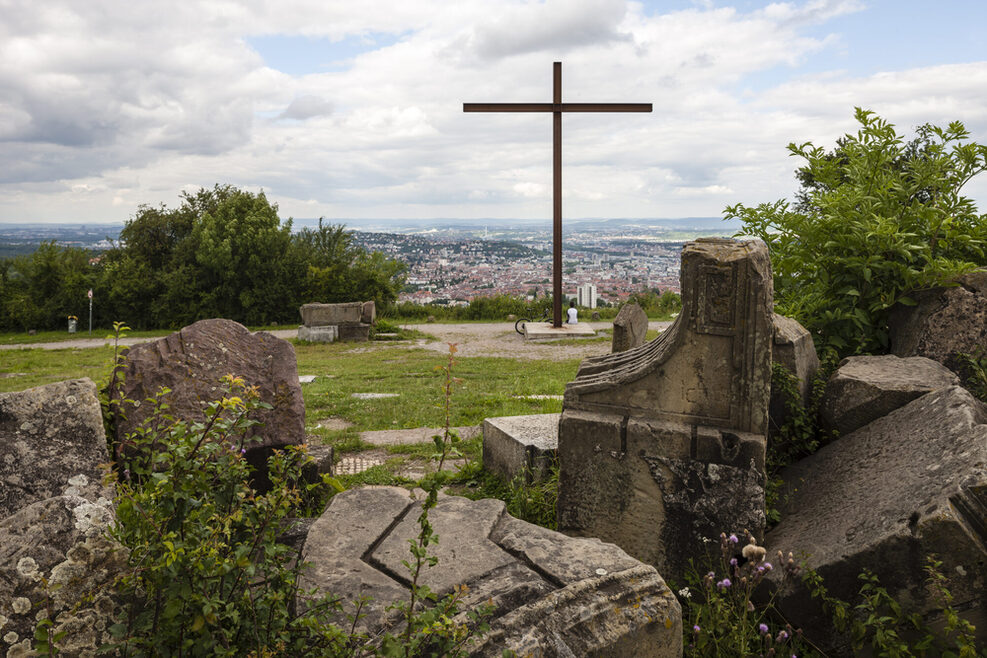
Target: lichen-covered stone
552, 595
52, 442
191, 363
945, 323
663, 446
60, 541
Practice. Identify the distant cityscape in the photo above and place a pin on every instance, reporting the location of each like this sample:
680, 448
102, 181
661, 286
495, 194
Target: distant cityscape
453, 263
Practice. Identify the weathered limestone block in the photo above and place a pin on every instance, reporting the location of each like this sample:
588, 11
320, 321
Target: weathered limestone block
62, 540
663, 446
944, 323
323, 334
552, 595
794, 349
51, 443
884, 497
192, 361
368, 313
319, 315
864, 388
520, 445
629, 328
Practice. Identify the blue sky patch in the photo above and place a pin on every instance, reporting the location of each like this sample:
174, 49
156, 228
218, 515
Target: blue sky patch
302, 55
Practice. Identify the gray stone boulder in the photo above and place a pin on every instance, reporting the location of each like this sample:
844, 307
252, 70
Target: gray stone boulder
51, 443
910, 484
663, 446
944, 323
864, 388
191, 362
552, 595
630, 328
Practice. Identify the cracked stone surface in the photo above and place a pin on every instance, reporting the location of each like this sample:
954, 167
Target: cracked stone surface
552, 595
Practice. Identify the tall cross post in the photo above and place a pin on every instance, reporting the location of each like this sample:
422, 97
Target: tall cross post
557, 107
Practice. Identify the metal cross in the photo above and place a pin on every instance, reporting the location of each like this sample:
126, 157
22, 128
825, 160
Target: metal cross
557, 107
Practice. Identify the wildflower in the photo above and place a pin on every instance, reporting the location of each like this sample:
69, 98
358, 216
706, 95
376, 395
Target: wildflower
753, 552
696, 629
767, 566
723, 584
243, 451
782, 636
685, 593
763, 628
733, 539
733, 562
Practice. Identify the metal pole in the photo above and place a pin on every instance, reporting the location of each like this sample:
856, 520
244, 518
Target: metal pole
557, 195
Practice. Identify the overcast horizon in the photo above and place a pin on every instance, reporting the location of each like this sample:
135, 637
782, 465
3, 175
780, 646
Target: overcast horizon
354, 110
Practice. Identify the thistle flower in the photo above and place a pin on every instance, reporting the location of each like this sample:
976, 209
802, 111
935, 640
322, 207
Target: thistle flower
763, 628
723, 584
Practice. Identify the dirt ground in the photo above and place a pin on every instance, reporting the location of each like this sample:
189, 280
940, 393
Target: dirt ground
472, 339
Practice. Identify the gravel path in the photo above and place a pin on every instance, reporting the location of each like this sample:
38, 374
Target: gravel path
473, 339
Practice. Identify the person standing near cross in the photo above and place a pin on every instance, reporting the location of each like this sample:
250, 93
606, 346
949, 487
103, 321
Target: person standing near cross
557, 107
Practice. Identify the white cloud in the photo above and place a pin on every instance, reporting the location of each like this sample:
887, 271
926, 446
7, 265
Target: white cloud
107, 105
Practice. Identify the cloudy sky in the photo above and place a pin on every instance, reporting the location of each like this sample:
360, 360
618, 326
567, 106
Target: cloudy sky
353, 108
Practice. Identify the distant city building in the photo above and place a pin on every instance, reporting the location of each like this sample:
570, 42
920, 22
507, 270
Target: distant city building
586, 295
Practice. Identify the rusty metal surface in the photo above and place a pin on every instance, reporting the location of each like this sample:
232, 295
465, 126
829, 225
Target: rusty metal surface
557, 107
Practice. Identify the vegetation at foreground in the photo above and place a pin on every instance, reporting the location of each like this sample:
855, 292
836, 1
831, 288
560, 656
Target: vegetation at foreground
223, 252
877, 219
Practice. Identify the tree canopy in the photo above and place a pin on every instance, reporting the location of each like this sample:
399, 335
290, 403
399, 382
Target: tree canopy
223, 252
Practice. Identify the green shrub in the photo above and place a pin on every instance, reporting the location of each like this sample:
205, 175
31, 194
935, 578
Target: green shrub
877, 220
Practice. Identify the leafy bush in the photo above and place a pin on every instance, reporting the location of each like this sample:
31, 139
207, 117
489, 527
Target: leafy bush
877, 220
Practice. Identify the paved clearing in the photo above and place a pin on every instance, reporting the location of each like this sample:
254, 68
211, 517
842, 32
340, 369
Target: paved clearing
472, 339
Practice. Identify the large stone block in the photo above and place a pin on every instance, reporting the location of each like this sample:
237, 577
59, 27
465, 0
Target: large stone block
520, 445
191, 362
52, 442
322, 334
864, 388
663, 446
910, 484
795, 349
630, 328
945, 322
319, 315
368, 313
552, 595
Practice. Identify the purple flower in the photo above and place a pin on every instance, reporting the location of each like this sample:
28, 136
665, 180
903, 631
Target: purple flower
782, 636
763, 628
243, 451
723, 584
696, 629
733, 562
733, 539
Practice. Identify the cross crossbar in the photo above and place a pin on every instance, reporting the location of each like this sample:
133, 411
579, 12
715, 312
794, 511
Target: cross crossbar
557, 107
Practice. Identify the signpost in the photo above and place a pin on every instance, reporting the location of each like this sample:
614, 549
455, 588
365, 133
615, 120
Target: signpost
90, 311
557, 107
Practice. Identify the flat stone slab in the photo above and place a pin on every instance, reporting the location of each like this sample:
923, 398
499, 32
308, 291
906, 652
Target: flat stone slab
545, 330
334, 423
864, 388
552, 595
373, 396
306, 379
414, 435
538, 397
520, 445
907, 485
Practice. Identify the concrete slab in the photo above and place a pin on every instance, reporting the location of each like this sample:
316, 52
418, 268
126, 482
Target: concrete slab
545, 331
520, 445
306, 379
373, 396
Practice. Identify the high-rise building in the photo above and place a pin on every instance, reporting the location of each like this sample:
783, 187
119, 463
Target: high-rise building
586, 295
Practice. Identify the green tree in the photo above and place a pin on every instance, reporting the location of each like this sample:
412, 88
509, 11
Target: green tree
876, 221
